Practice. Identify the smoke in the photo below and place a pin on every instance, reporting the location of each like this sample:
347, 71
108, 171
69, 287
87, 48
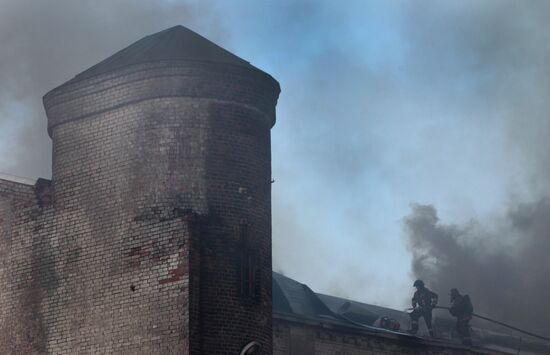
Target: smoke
381, 104
501, 50
45, 43
503, 267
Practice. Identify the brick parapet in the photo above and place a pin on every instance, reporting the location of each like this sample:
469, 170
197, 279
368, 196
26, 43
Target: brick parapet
16, 192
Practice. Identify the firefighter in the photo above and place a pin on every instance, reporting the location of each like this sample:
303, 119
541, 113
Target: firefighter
462, 309
423, 302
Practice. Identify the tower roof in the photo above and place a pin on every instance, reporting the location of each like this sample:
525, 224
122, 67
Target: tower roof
175, 43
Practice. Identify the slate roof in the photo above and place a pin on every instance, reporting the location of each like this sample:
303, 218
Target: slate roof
360, 312
290, 296
175, 43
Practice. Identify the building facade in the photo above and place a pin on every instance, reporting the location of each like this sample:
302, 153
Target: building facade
155, 237
154, 234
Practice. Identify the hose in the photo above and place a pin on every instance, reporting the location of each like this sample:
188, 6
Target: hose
504, 325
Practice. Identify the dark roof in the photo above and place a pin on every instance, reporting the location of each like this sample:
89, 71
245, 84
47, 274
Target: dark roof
343, 306
290, 296
298, 300
175, 43
357, 311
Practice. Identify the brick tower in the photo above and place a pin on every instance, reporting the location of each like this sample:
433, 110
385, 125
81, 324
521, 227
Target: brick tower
162, 202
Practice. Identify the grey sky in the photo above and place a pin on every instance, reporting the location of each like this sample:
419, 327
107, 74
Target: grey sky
383, 104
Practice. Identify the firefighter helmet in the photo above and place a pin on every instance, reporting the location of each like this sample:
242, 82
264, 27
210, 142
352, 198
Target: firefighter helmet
418, 283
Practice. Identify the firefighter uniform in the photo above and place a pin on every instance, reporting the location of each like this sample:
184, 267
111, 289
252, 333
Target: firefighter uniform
462, 309
423, 302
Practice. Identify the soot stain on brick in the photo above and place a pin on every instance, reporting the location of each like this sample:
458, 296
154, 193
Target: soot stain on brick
22, 331
43, 192
42, 280
73, 255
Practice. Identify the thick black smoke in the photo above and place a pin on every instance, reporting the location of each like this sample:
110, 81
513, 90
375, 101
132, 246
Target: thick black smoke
505, 267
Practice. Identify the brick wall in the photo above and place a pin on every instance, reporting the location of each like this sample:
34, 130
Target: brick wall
21, 330
298, 337
136, 249
158, 144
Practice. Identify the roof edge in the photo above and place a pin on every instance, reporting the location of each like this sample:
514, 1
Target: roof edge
17, 179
